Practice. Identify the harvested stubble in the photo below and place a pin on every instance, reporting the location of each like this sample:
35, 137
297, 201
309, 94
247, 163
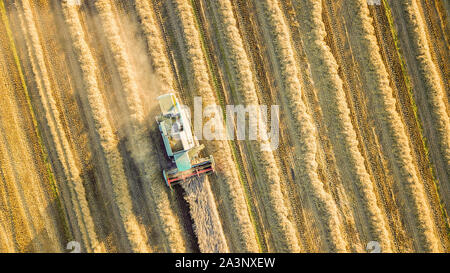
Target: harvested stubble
282, 229
203, 211
81, 219
395, 140
301, 125
103, 134
138, 142
434, 91
236, 211
334, 106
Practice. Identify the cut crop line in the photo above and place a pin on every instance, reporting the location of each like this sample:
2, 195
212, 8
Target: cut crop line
395, 140
301, 125
337, 116
104, 136
237, 61
189, 39
83, 219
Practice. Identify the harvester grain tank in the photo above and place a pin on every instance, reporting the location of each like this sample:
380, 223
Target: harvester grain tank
181, 147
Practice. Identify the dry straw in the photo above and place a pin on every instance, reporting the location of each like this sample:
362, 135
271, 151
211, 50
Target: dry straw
232, 193
302, 126
395, 140
105, 138
282, 229
203, 211
77, 203
337, 117
434, 91
138, 142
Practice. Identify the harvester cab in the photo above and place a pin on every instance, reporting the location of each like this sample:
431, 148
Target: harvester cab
181, 148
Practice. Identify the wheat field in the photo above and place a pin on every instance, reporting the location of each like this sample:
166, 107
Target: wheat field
363, 152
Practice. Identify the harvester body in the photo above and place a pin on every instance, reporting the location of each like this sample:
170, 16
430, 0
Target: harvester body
180, 146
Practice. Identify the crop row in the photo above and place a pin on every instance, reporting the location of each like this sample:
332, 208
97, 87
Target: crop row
300, 122
429, 76
334, 106
104, 138
237, 61
189, 40
76, 202
367, 52
138, 142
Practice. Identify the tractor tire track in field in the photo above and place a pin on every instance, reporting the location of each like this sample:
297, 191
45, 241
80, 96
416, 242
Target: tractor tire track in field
396, 143
301, 125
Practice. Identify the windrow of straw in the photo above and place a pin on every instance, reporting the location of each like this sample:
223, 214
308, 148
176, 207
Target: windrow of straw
203, 211
336, 113
103, 135
138, 142
394, 140
227, 179
300, 121
155, 44
236, 58
429, 76
77, 203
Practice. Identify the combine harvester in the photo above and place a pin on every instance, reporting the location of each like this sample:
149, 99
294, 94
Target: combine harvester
189, 171
181, 148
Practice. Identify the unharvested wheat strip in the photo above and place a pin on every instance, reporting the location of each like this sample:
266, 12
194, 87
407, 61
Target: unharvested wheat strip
138, 141
303, 129
203, 211
435, 92
188, 38
106, 139
364, 43
283, 231
337, 116
78, 201
155, 44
